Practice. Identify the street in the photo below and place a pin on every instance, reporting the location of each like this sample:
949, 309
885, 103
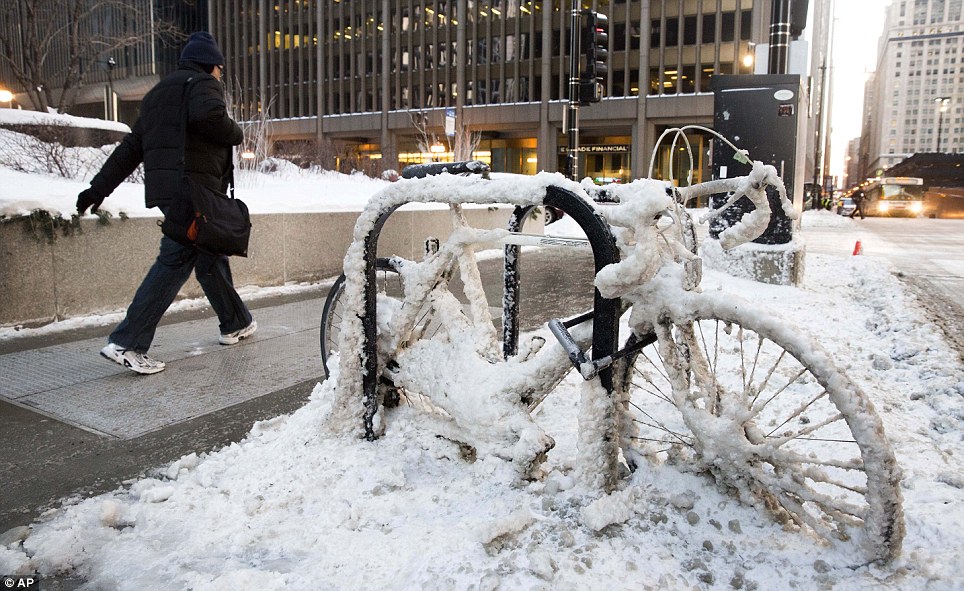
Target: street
928, 254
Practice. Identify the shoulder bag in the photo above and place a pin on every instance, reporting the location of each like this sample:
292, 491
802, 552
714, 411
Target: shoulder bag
203, 218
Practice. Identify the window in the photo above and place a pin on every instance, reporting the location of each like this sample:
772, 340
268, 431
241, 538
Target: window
689, 30
709, 28
745, 23
688, 80
729, 27
672, 32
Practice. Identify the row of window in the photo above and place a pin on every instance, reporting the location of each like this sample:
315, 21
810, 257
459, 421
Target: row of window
408, 94
937, 11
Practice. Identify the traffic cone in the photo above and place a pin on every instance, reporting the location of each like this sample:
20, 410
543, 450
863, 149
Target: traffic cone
858, 248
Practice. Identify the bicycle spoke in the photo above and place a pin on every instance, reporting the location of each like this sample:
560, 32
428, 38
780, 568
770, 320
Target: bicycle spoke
806, 494
785, 456
766, 380
799, 410
650, 440
712, 363
757, 409
658, 393
823, 479
756, 360
740, 340
778, 441
659, 367
658, 425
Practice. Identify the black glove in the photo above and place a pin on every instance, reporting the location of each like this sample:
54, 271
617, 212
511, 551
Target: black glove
89, 198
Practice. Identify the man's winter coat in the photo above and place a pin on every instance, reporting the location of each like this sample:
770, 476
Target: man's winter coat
158, 141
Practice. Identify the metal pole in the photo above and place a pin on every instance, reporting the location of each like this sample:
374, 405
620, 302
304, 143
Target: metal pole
572, 131
111, 115
779, 37
940, 124
942, 103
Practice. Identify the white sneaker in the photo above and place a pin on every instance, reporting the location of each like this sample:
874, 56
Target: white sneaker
232, 338
136, 362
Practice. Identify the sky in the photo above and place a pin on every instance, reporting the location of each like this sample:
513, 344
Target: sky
298, 504
858, 26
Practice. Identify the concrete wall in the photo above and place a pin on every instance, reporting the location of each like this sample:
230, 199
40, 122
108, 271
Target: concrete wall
98, 268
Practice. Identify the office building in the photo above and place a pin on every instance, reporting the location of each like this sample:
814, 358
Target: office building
915, 99
369, 73
107, 55
388, 81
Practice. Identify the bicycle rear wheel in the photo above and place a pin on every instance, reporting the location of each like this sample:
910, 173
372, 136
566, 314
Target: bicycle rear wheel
388, 284
771, 417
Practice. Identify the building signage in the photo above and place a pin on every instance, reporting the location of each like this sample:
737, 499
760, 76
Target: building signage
600, 149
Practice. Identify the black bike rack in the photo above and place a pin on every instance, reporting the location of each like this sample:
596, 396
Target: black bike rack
605, 314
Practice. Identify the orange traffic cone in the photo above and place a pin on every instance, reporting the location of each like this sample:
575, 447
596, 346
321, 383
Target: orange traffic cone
858, 249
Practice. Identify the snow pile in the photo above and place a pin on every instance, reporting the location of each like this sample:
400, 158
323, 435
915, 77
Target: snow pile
286, 189
27, 117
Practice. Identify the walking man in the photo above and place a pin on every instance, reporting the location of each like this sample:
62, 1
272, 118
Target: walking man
858, 198
183, 128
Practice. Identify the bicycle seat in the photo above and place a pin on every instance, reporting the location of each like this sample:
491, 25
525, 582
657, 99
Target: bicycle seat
419, 171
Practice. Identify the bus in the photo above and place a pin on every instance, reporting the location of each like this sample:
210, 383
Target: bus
894, 196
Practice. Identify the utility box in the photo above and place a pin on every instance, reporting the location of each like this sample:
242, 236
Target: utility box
767, 116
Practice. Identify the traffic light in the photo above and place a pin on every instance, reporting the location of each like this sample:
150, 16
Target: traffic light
595, 43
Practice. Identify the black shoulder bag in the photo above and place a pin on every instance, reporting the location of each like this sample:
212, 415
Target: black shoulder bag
203, 218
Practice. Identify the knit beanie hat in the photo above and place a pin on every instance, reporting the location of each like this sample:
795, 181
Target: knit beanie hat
202, 49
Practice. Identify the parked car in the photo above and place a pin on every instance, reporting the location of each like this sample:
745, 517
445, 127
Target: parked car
845, 206
553, 214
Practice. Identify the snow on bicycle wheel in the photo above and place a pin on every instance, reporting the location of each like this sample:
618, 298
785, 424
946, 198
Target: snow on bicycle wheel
768, 415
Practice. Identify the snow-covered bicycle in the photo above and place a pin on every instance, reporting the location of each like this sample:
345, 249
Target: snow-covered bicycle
696, 377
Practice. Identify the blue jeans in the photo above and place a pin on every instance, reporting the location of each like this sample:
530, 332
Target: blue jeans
170, 271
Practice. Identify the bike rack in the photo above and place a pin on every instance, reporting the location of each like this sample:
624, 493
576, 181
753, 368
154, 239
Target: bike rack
605, 313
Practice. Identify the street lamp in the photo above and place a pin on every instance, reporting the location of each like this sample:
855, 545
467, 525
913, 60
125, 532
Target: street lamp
437, 150
6, 97
749, 58
944, 102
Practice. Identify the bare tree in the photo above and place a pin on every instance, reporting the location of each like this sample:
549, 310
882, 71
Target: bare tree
461, 145
48, 45
256, 127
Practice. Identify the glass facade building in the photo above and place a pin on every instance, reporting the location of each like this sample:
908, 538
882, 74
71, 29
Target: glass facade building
383, 75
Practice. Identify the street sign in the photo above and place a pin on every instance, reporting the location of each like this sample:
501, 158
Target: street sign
450, 122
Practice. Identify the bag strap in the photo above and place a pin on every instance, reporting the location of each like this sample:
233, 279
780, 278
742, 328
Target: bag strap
186, 112
184, 119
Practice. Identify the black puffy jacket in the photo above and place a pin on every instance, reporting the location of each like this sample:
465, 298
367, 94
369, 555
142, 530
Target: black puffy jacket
157, 139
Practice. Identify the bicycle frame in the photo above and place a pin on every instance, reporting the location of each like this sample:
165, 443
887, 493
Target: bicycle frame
545, 189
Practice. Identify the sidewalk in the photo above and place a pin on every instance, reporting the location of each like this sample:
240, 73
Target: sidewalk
74, 423
71, 420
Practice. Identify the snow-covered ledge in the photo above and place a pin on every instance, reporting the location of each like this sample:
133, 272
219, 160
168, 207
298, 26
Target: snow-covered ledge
97, 268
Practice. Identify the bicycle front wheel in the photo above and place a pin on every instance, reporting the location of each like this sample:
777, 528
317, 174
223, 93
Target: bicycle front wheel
765, 410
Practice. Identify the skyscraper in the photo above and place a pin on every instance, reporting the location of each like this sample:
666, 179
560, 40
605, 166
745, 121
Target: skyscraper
915, 98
